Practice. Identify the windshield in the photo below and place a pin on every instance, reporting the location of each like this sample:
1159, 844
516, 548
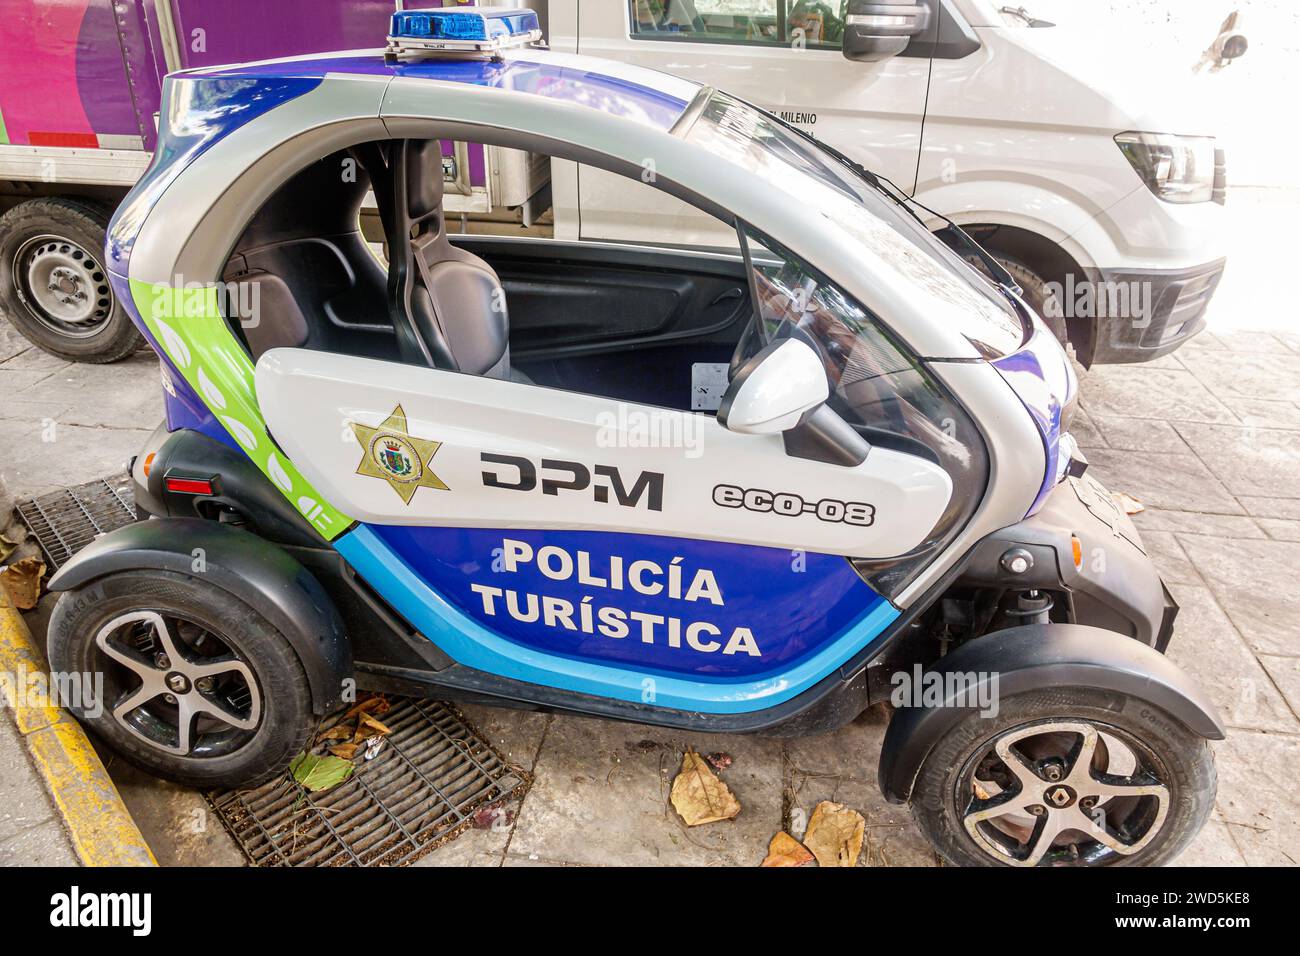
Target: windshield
787, 160
886, 395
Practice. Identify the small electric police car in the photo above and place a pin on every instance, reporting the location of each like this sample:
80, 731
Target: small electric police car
753, 493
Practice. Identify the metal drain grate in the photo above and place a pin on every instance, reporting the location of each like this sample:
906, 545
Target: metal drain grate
429, 778
66, 521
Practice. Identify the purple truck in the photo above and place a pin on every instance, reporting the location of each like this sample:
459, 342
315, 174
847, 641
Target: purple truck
80, 85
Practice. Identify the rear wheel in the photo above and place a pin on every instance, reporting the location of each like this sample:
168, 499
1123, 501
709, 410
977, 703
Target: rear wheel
53, 285
1065, 778
184, 680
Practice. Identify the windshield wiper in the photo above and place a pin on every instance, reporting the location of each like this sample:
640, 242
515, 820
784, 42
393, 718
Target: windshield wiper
888, 189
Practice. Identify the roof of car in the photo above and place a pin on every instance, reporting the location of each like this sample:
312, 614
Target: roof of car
646, 96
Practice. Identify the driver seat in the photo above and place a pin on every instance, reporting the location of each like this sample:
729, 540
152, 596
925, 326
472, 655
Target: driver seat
448, 306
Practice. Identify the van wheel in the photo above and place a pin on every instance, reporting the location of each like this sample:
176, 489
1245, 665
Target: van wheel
1065, 778
53, 285
1038, 294
181, 678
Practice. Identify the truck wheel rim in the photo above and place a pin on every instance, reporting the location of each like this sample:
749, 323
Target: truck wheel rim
63, 286
176, 685
1063, 793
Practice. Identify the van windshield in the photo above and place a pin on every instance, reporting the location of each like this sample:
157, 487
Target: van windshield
787, 160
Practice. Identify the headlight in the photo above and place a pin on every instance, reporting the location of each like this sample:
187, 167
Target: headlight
1175, 168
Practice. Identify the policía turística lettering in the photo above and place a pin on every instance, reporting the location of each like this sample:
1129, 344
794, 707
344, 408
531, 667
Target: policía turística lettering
692, 587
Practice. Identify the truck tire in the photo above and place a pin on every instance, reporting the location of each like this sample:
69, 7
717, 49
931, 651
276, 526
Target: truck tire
53, 286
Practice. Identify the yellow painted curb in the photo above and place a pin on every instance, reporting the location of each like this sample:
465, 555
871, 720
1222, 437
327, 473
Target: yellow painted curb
101, 828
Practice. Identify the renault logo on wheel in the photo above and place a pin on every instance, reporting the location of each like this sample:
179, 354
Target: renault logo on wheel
1060, 797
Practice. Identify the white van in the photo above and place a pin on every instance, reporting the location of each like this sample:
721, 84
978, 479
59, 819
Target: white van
1099, 195
1101, 198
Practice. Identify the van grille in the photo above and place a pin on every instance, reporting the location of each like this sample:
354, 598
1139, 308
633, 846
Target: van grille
1182, 302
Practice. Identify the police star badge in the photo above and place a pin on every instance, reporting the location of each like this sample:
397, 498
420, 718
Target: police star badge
396, 456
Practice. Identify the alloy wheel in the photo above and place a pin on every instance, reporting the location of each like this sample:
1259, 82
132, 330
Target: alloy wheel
1063, 793
176, 685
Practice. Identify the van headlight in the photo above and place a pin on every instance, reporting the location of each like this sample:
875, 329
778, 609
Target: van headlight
1175, 168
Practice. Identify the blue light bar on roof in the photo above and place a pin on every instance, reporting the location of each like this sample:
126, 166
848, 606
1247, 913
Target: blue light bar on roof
467, 29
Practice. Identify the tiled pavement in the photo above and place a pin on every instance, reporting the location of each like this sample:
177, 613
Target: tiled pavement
1208, 439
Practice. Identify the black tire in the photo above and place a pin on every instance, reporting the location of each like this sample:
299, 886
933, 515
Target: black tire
1038, 294
941, 792
36, 225
250, 757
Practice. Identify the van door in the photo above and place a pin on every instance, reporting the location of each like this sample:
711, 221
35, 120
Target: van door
783, 55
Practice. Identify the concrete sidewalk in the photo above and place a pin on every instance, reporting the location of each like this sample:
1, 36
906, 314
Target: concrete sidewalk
31, 833
60, 424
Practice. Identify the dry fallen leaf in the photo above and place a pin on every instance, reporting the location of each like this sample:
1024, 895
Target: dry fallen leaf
699, 796
340, 731
22, 580
345, 751
370, 705
1127, 503
7, 545
491, 817
368, 727
785, 850
835, 834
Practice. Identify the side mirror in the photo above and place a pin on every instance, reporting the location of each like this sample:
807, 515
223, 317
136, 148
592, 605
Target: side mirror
875, 30
775, 390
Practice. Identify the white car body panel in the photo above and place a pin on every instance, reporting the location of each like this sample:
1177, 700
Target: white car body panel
1019, 133
472, 415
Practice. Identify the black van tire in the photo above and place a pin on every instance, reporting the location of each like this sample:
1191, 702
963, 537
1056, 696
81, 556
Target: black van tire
1185, 756
286, 717
108, 333
1038, 295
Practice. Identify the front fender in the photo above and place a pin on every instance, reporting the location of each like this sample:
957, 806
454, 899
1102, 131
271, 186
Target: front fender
1037, 657
1064, 218
250, 569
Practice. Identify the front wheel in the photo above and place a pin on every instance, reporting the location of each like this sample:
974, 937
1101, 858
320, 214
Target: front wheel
1070, 777
181, 678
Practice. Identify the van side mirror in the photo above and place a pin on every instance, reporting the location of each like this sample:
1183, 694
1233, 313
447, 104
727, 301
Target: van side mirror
775, 390
875, 30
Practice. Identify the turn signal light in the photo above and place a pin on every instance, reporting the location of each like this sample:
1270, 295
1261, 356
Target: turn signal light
1076, 546
148, 464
